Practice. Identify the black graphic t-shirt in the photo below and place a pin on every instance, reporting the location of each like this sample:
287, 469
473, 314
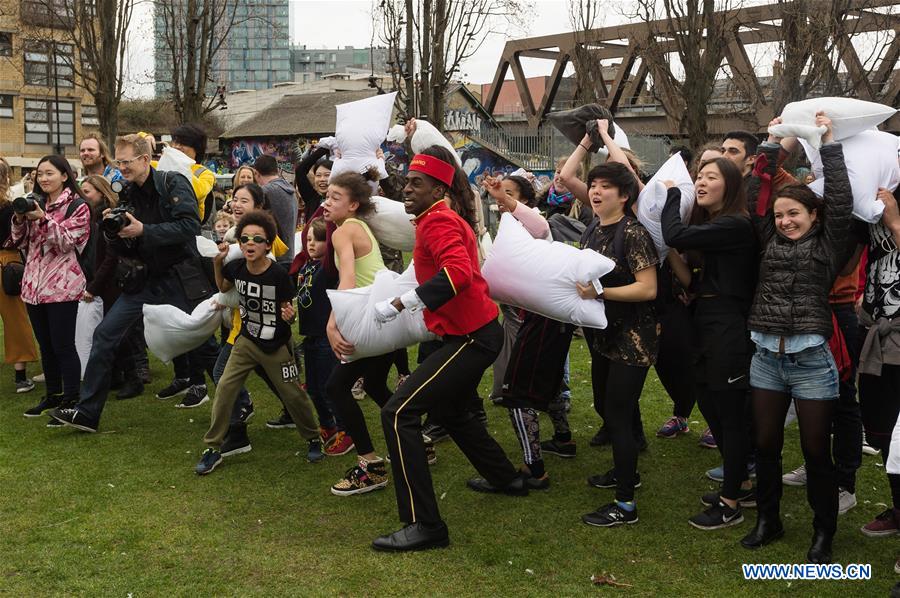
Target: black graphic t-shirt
312, 283
260, 305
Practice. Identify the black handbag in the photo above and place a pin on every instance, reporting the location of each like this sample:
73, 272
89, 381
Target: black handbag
11, 276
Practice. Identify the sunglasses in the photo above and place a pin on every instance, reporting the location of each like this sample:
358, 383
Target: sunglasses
258, 239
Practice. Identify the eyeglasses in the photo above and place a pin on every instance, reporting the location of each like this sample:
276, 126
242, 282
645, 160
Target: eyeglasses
121, 163
258, 239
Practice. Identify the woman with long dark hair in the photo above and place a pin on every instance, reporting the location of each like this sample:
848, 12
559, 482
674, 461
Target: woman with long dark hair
721, 246
52, 232
804, 241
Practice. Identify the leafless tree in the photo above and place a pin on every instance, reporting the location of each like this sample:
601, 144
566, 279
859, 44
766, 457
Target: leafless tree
590, 85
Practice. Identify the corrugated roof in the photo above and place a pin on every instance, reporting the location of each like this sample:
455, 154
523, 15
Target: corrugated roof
309, 115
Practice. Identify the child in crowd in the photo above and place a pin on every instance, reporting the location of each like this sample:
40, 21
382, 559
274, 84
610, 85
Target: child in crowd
313, 281
224, 221
266, 292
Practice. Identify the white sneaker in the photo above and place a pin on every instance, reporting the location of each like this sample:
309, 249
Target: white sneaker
40, 378
870, 450
846, 501
796, 477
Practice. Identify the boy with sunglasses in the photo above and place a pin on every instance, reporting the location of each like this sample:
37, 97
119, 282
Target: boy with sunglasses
266, 292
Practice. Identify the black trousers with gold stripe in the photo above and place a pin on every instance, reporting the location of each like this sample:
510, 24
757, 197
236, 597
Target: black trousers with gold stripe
440, 387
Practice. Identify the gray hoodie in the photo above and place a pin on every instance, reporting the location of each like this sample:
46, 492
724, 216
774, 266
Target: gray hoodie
283, 206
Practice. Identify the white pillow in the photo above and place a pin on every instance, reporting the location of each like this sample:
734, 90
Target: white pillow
619, 137
173, 160
360, 129
848, 116
90, 314
354, 313
652, 199
207, 247
871, 159
540, 275
427, 135
391, 225
170, 332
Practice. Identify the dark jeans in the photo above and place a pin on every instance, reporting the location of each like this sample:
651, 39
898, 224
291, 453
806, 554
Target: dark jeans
194, 365
674, 365
435, 388
619, 387
54, 329
726, 413
319, 361
846, 424
374, 372
127, 310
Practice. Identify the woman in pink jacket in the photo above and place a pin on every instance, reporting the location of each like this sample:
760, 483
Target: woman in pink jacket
51, 234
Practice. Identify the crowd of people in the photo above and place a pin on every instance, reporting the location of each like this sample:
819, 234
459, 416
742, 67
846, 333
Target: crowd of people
757, 314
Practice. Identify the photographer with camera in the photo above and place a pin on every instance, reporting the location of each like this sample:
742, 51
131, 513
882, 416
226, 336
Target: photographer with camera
52, 226
152, 231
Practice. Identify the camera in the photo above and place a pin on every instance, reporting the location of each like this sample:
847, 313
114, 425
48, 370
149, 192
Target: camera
116, 220
26, 203
120, 185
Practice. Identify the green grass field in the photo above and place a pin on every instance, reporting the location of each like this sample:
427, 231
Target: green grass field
121, 513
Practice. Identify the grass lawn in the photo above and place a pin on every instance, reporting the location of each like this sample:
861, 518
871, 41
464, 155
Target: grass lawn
122, 513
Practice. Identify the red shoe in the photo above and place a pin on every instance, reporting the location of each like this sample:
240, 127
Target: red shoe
341, 445
327, 435
884, 524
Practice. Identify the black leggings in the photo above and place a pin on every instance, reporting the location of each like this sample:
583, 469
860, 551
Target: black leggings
619, 387
401, 362
596, 374
879, 401
674, 365
814, 418
54, 328
374, 372
726, 413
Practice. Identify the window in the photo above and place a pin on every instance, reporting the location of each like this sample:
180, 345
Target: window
6, 106
5, 44
334, 58
49, 13
42, 118
89, 116
39, 68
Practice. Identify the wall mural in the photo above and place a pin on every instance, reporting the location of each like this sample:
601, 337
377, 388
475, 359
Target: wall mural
246, 151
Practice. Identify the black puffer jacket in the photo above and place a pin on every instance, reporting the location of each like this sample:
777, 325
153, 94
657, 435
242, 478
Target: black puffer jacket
795, 276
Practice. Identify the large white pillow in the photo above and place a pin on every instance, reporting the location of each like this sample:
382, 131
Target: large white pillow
619, 137
354, 313
391, 225
360, 129
540, 275
848, 116
652, 199
871, 159
427, 135
173, 160
170, 332
89, 316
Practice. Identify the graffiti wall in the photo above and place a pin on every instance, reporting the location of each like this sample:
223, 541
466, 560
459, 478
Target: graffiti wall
479, 161
246, 151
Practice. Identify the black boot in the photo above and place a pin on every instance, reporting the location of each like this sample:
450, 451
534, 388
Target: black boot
766, 531
116, 379
820, 550
132, 387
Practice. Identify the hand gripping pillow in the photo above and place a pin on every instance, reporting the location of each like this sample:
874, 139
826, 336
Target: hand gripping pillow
619, 137
360, 129
572, 123
652, 199
354, 313
540, 275
848, 116
871, 159
391, 225
90, 314
170, 332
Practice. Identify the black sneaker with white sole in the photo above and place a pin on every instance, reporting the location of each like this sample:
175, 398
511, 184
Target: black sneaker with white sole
245, 413
178, 387
74, 419
283, 421
566, 450
194, 397
25, 385
717, 516
610, 515
608, 480
209, 460
46, 404
236, 441
746, 498
435, 433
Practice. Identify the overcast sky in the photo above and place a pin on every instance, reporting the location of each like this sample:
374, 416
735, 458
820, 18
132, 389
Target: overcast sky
337, 23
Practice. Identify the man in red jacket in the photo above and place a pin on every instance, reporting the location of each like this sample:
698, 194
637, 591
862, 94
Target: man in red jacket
457, 308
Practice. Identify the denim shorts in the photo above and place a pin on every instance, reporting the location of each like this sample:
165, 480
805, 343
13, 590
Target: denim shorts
810, 374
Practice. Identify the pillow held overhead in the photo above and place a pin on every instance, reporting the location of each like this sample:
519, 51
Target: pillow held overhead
849, 117
571, 123
360, 128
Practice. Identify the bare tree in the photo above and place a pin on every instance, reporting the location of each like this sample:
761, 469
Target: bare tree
590, 85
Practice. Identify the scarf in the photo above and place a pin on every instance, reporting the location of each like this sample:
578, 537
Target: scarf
557, 199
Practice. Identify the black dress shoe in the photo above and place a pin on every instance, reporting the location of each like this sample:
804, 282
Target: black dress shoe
416, 536
820, 550
766, 531
517, 487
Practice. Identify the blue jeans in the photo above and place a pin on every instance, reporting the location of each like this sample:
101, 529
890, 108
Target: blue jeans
810, 374
319, 361
127, 310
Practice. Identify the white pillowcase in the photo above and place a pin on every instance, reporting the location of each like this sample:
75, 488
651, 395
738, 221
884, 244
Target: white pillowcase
173, 160
652, 199
619, 137
427, 135
170, 332
391, 225
360, 129
848, 116
540, 275
90, 314
871, 159
354, 314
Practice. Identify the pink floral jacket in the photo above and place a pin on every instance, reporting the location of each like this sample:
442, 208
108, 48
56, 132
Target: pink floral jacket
52, 273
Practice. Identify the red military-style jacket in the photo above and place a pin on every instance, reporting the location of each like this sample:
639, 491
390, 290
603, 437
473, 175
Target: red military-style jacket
445, 257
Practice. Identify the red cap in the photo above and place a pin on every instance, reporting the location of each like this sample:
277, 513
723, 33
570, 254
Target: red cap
434, 167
